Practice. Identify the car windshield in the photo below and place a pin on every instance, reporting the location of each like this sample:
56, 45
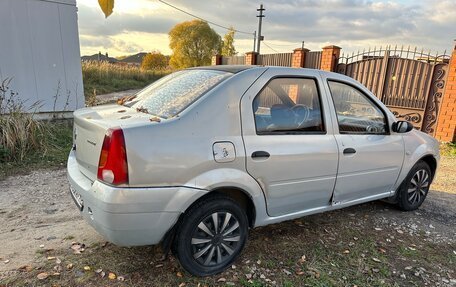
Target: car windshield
174, 93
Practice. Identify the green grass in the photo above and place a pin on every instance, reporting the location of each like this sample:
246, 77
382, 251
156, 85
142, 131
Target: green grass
448, 149
102, 78
56, 142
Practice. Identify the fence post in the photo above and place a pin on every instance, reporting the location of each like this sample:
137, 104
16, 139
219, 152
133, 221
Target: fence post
299, 57
446, 123
216, 60
329, 58
251, 58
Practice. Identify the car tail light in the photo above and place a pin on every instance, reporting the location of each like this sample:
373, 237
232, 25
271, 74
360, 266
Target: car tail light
112, 166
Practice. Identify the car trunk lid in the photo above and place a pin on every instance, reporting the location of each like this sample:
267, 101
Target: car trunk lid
90, 127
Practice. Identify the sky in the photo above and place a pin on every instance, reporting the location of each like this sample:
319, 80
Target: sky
143, 25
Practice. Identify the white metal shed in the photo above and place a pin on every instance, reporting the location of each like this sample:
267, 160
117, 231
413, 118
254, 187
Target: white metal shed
39, 50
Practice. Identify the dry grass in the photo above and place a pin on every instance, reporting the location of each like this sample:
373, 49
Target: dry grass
20, 133
446, 175
103, 77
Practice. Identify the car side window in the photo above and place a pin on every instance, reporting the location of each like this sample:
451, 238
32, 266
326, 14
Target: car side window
356, 114
288, 105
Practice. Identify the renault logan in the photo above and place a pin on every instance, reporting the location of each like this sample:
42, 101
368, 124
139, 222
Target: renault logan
200, 156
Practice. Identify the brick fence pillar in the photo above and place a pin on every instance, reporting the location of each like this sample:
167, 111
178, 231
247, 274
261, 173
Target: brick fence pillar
251, 58
446, 124
216, 60
299, 57
329, 58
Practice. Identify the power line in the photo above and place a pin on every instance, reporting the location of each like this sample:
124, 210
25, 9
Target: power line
193, 15
270, 47
279, 45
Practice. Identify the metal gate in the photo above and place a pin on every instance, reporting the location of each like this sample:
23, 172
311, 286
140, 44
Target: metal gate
409, 82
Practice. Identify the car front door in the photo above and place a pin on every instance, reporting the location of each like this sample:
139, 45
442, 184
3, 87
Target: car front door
288, 139
370, 157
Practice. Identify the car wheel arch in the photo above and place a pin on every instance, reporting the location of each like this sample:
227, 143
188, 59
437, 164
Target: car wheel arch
429, 159
431, 162
242, 197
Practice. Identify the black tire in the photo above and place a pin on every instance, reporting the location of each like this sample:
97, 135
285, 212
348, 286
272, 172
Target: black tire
202, 254
415, 187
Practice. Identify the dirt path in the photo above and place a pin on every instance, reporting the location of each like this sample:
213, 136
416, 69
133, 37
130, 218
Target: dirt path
38, 214
112, 97
36, 210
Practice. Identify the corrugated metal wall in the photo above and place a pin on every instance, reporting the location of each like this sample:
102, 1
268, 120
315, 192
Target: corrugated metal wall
280, 59
233, 60
39, 50
313, 60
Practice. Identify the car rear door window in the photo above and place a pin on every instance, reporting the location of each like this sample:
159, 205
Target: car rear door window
175, 92
288, 105
356, 113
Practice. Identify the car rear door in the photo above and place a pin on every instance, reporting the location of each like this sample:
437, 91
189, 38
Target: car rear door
370, 157
289, 142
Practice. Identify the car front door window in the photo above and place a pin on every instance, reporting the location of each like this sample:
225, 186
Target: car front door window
356, 114
288, 105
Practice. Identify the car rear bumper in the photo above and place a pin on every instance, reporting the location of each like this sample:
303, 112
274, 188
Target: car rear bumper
129, 216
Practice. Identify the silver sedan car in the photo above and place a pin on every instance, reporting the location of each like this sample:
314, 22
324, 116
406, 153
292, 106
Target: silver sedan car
202, 155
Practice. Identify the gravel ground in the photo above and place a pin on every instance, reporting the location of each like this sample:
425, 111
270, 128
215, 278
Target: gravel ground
38, 214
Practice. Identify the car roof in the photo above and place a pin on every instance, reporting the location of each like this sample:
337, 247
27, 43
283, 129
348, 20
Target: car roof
225, 68
239, 68
278, 69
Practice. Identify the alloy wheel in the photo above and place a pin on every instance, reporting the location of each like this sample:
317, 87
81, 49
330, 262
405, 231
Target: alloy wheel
419, 185
215, 239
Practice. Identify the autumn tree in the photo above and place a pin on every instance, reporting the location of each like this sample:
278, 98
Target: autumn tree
154, 60
193, 43
228, 43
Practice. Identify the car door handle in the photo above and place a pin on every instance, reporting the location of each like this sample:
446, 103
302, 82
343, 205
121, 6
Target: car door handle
260, 154
349, 150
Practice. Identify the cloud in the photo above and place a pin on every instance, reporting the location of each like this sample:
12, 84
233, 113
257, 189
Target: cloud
91, 23
351, 24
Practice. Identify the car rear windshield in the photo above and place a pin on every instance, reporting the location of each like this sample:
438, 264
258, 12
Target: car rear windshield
174, 93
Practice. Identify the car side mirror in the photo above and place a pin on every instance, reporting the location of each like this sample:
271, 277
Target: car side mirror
402, 127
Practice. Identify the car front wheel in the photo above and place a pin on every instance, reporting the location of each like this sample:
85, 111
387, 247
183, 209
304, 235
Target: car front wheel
211, 235
415, 187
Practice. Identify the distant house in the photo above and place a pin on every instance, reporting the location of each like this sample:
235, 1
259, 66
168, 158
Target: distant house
39, 51
99, 57
134, 60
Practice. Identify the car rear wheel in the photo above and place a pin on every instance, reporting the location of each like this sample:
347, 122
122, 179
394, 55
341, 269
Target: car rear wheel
211, 235
415, 188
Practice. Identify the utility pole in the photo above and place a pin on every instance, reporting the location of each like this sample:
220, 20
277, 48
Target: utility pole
302, 46
254, 41
260, 20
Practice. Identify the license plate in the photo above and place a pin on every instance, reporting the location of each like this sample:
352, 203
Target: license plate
77, 198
